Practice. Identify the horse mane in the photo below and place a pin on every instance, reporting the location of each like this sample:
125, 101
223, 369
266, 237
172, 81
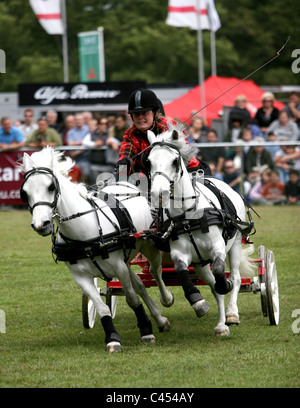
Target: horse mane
51, 158
187, 150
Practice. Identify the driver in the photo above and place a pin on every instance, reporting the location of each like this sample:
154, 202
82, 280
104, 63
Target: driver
144, 108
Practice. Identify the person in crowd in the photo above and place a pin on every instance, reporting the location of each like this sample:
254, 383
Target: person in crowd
11, 137
29, 125
293, 108
197, 131
267, 113
271, 137
273, 192
287, 158
257, 157
236, 129
284, 128
240, 110
231, 176
99, 159
143, 106
214, 172
117, 131
292, 188
52, 119
215, 155
43, 136
87, 117
255, 193
75, 137
69, 123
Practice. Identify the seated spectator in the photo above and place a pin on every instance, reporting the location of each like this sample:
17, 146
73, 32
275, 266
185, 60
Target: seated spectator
11, 137
293, 109
117, 131
75, 137
292, 188
284, 128
213, 171
215, 155
197, 131
255, 129
273, 193
87, 117
255, 193
98, 157
235, 130
43, 136
240, 110
52, 117
29, 125
266, 114
287, 158
271, 137
69, 123
257, 157
231, 176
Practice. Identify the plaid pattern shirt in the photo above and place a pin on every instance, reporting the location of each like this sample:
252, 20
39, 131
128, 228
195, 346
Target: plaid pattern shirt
135, 141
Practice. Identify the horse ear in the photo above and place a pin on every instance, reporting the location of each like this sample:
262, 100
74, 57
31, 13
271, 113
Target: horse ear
26, 162
175, 135
151, 137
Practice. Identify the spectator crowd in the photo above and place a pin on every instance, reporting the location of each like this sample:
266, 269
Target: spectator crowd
267, 175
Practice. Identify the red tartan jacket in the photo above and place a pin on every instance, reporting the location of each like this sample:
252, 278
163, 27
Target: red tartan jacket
134, 141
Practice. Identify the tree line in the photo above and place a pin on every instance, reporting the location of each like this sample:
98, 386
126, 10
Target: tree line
139, 45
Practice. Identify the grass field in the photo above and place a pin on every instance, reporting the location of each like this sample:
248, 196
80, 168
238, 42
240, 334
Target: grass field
45, 344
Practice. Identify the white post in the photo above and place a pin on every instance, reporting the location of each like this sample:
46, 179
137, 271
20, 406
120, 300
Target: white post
200, 59
101, 54
65, 42
213, 53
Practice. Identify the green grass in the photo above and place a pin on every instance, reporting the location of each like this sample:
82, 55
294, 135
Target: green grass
45, 344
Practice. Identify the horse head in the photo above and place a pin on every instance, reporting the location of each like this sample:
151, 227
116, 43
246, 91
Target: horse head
40, 188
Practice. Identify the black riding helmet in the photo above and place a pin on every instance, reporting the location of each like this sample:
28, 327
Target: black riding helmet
143, 100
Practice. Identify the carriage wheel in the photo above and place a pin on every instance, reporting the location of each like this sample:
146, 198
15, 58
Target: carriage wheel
272, 289
262, 281
88, 310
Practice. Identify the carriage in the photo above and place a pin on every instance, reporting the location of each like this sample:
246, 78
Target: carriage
122, 228
265, 284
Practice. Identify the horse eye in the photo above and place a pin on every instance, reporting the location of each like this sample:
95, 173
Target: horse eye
175, 162
51, 187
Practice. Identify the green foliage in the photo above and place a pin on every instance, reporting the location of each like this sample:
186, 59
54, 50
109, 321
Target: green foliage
139, 45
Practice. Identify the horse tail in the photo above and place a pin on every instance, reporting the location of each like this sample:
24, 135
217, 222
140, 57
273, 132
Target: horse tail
247, 268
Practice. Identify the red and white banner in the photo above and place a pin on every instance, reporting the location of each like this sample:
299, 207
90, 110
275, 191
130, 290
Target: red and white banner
49, 15
184, 13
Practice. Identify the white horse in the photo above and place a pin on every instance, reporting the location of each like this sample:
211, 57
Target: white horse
196, 236
90, 234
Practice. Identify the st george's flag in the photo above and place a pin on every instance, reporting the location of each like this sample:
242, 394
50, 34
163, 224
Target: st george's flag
183, 13
48, 13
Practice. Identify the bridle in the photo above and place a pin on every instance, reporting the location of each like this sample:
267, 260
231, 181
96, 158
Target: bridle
178, 170
54, 186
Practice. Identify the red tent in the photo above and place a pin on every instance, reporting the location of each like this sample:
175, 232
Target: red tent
214, 86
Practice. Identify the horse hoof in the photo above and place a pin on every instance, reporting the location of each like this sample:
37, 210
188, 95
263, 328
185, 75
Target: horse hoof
232, 319
166, 327
201, 308
113, 347
222, 332
149, 338
168, 304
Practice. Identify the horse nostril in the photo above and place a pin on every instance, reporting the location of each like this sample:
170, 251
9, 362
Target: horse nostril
46, 223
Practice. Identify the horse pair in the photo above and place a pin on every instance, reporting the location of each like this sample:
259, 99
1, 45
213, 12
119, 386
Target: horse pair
93, 242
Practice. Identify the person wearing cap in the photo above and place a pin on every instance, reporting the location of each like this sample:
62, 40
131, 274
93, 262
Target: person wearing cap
144, 108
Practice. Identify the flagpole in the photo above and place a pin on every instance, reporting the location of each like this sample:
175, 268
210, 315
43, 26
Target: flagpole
213, 53
200, 58
65, 42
